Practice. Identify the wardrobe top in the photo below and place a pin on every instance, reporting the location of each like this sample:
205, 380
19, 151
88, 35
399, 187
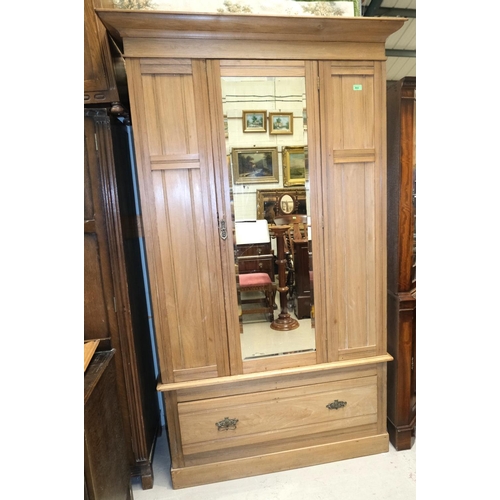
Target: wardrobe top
123, 24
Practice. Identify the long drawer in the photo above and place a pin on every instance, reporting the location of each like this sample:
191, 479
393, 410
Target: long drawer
248, 419
253, 249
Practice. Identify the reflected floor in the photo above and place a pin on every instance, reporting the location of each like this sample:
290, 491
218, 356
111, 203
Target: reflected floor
260, 340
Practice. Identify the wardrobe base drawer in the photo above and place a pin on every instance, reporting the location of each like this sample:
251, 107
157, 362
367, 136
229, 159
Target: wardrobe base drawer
279, 415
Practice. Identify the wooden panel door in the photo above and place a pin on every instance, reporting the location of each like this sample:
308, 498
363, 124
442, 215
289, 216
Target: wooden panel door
178, 194
354, 202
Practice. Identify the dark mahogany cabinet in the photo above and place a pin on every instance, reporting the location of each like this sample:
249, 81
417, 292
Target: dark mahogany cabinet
302, 296
99, 78
106, 469
401, 269
115, 294
115, 291
255, 258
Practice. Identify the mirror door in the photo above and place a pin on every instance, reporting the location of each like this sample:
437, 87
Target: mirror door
266, 143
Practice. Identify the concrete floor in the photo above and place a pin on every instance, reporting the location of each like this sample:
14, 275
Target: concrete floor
386, 476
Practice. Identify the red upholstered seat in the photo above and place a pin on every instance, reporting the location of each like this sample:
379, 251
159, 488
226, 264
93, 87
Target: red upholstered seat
257, 282
254, 279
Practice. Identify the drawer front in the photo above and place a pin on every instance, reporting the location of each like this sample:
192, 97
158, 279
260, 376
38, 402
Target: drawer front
253, 249
257, 265
248, 419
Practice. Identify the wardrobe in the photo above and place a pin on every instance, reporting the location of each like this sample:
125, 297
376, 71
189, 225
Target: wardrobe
235, 408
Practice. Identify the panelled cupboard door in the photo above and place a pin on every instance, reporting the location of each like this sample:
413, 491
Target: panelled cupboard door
169, 103
354, 173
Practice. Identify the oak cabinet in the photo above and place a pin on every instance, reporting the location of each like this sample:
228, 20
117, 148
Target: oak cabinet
241, 403
401, 269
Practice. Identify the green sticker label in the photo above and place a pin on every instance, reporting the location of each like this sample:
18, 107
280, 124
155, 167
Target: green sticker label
357, 87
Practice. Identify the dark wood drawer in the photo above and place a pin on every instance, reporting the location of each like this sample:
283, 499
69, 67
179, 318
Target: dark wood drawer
253, 249
257, 264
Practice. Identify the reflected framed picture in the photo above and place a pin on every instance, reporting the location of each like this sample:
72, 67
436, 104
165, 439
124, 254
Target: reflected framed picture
294, 165
255, 165
254, 121
281, 123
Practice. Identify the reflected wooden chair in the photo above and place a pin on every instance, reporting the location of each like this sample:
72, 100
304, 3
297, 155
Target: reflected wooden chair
298, 226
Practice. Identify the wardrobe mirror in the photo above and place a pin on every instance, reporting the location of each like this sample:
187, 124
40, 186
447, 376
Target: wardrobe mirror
265, 120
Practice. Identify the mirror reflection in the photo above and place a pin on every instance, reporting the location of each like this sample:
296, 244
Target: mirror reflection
287, 205
266, 146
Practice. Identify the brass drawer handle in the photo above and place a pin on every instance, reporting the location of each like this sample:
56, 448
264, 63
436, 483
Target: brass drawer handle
336, 405
226, 424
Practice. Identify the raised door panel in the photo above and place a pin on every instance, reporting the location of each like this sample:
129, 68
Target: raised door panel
355, 208
177, 190
406, 228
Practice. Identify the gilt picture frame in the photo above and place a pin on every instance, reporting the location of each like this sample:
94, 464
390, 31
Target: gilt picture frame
254, 121
280, 123
294, 165
268, 202
255, 165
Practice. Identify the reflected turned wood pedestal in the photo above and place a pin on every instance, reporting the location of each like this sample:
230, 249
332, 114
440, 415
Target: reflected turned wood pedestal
284, 321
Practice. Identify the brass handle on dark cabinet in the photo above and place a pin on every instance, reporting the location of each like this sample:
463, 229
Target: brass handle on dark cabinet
336, 405
226, 424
